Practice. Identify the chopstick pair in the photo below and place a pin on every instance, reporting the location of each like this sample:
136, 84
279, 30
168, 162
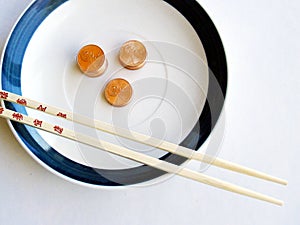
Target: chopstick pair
136, 156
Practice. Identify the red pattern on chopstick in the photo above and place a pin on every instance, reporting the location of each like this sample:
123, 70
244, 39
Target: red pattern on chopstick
3, 95
22, 102
18, 116
62, 115
41, 108
58, 129
38, 123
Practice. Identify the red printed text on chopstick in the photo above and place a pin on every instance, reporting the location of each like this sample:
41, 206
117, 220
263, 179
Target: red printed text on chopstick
62, 115
38, 123
22, 102
3, 95
58, 129
18, 116
41, 108
1, 110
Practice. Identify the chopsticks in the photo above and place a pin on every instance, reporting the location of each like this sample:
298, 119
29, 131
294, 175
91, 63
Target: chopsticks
136, 156
138, 137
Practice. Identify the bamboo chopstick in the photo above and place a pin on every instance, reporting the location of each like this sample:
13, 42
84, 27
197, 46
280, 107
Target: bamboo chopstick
136, 156
138, 137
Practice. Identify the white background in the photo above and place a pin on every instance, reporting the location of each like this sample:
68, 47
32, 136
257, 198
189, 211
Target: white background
262, 108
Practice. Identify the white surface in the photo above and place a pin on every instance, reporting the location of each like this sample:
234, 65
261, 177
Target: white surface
262, 123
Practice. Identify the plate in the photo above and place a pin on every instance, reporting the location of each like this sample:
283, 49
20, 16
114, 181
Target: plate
178, 94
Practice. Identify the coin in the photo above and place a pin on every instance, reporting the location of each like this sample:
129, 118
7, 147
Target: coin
133, 55
118, 92
91, 60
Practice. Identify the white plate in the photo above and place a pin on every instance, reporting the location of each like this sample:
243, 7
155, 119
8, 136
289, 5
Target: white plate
170, 91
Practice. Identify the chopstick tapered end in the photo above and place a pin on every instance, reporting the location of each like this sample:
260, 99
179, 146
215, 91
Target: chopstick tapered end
278, 181
280, 203
284, 182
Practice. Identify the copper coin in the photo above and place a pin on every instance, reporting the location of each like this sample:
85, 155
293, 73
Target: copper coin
91, 60
118, 92
133, 55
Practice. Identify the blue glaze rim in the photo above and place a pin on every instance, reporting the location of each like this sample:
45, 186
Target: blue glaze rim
11, 81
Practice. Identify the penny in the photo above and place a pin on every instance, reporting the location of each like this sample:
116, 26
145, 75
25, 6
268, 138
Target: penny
118, 92
133, 55
91, 60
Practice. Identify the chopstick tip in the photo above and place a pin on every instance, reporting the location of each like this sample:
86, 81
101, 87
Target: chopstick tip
280, 203
281, 181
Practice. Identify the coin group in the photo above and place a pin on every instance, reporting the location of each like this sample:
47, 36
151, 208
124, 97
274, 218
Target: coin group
92, 62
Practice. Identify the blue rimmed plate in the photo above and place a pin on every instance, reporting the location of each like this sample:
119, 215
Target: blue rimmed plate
178, 95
